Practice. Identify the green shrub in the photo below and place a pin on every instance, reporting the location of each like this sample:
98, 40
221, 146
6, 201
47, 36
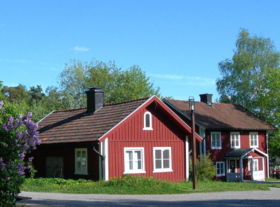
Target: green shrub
206, 169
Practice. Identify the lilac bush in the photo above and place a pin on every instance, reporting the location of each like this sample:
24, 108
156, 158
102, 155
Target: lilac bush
18, 137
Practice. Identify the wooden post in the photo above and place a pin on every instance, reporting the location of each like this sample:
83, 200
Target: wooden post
195, 185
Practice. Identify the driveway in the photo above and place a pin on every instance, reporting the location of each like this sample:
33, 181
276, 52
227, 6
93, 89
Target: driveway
230, 199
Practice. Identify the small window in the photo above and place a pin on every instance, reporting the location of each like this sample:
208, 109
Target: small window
134, 160
255, 164
148, 121
235, 140
254, 139
216, 142
220, 169
81, 161
162, 159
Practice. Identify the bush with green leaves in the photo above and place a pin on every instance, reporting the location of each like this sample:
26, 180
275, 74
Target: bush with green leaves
205, 168
18, 136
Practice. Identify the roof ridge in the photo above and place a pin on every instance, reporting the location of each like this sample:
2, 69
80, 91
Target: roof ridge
128, 101
65, 110
106, 104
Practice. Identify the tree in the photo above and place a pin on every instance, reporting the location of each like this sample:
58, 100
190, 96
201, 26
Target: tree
119, 85
251, 78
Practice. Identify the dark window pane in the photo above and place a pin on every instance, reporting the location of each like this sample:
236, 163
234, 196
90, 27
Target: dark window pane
158, 154
166, 154
158, 164
148, 121
166, 164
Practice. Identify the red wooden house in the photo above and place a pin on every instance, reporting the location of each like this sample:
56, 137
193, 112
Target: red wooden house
235, 138
141, 137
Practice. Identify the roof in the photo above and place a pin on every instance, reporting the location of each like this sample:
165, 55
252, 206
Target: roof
220, 116
238, 152
76, 125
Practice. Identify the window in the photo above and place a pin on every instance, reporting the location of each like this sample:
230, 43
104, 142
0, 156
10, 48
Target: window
162, 159
235, 140
255, 165
254, 139
216, 142
148, 121
134, 160
220, 169
81, 161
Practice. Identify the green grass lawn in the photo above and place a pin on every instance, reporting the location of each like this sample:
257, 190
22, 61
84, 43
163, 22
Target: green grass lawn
272, 179
133, 185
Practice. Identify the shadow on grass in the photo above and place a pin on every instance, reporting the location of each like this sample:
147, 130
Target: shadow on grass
137, 203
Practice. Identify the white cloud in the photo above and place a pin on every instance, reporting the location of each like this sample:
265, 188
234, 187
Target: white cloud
185, 80
81, 49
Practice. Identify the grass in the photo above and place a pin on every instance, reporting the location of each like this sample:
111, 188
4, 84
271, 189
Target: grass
134, 185
272, 179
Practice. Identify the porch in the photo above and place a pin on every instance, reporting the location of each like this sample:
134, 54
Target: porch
244, 164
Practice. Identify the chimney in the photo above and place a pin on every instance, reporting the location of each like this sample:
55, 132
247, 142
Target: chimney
95, 99
206, 98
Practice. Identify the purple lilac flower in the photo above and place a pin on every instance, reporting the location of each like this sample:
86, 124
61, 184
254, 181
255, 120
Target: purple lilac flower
1, 104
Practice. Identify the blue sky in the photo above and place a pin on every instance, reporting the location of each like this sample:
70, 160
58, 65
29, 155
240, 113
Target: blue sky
177, 43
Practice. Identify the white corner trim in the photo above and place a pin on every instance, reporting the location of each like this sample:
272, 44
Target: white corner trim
45, 116
187, 158
106, 154
126, 117
266, 155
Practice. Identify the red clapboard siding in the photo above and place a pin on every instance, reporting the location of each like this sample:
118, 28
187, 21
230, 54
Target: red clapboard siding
165, 133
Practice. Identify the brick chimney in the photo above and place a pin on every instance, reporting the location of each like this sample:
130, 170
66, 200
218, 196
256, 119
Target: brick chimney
206, 98
95, 99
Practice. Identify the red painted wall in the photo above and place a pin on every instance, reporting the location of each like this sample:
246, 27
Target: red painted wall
165, 133
218, 155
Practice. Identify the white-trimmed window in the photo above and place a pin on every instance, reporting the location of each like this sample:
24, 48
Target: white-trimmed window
162, 159
134, 160
220, 169
235, 140
148, 121
255, 164
216, 142
254, 139
81, 161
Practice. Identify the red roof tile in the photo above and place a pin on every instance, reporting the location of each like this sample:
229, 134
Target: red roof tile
222, 116
76, 125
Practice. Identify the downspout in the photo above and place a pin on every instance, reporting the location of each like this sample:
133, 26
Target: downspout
267, 159
101, 161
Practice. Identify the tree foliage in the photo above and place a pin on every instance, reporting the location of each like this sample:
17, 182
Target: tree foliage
119, 85
252, 78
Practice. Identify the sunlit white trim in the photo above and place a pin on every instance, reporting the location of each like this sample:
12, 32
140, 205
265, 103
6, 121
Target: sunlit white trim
151, 121
45, 116
134, 171
170, 159
251, 134
187, 158
238, 136
106, 154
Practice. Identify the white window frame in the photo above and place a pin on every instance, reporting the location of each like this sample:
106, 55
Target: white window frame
151, 121
134, 171
223, 169
251, 134
170, 159
220, 137
238, 138
255, 165
80, 172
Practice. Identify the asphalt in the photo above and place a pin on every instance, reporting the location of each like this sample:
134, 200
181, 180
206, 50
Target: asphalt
230, 199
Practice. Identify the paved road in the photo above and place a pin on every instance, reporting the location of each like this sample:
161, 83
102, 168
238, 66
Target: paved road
228, 199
